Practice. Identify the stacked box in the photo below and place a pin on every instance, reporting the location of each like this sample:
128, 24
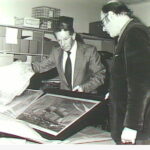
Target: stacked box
27, 22
49, 17
46, 24
49, 23
45, 12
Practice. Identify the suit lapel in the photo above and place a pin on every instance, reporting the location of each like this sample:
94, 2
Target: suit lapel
122, 38
78, 62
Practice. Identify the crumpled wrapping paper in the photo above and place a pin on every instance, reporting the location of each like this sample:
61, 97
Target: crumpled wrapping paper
14, 79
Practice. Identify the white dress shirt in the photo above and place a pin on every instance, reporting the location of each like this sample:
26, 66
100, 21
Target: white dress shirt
72, 57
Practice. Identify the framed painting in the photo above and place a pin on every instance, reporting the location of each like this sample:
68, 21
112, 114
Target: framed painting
57, 116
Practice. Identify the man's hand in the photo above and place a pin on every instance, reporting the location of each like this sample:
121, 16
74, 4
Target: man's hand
128, 136
78, 89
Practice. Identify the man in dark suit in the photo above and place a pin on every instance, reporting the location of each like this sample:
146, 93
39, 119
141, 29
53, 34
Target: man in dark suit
79, 65
130, 75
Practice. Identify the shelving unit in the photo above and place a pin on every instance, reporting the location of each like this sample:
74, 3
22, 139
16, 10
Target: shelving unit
101, 43
17, 49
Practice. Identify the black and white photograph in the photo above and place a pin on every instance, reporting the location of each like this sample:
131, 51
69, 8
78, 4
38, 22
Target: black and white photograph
53, 114
75, 72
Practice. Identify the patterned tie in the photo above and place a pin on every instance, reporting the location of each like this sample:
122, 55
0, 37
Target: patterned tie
68, 70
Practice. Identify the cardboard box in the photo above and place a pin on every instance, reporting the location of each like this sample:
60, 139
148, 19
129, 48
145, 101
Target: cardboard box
27, 22
45, 12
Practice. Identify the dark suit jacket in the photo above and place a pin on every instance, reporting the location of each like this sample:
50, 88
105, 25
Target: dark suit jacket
89, 71
130, 82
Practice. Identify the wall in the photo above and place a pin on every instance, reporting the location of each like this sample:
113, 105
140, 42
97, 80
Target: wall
142, 11
83, 11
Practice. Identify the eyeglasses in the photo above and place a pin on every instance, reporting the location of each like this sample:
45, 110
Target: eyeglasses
102, 20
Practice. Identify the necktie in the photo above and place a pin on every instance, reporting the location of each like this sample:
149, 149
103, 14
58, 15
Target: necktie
68, 70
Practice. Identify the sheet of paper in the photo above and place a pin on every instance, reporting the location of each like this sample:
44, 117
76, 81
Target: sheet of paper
27, 35
19, 128
11, 35
15, 78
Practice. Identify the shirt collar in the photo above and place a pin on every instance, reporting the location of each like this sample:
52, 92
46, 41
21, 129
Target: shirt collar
122, 30
74, 47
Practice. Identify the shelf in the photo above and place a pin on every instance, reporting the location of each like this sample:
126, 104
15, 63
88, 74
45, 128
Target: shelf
93, 37
34, 51
29, 54
27, 28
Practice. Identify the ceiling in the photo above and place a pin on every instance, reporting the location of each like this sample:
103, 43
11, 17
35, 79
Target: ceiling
134, 1
102, 2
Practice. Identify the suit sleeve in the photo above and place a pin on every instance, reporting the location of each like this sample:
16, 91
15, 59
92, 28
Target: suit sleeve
97, 72
137, 53
45, 64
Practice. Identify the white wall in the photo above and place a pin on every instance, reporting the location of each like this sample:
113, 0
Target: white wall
142, 11
83, 11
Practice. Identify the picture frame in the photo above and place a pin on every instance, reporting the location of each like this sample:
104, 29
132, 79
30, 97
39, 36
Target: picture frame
58, 116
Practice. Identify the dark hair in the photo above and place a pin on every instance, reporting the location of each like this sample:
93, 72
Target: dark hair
64, 26
117, 8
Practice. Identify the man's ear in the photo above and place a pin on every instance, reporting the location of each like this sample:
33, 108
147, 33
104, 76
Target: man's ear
111, 15
74, 36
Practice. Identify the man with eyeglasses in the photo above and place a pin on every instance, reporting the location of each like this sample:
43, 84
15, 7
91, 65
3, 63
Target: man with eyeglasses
130, 75
79, 65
